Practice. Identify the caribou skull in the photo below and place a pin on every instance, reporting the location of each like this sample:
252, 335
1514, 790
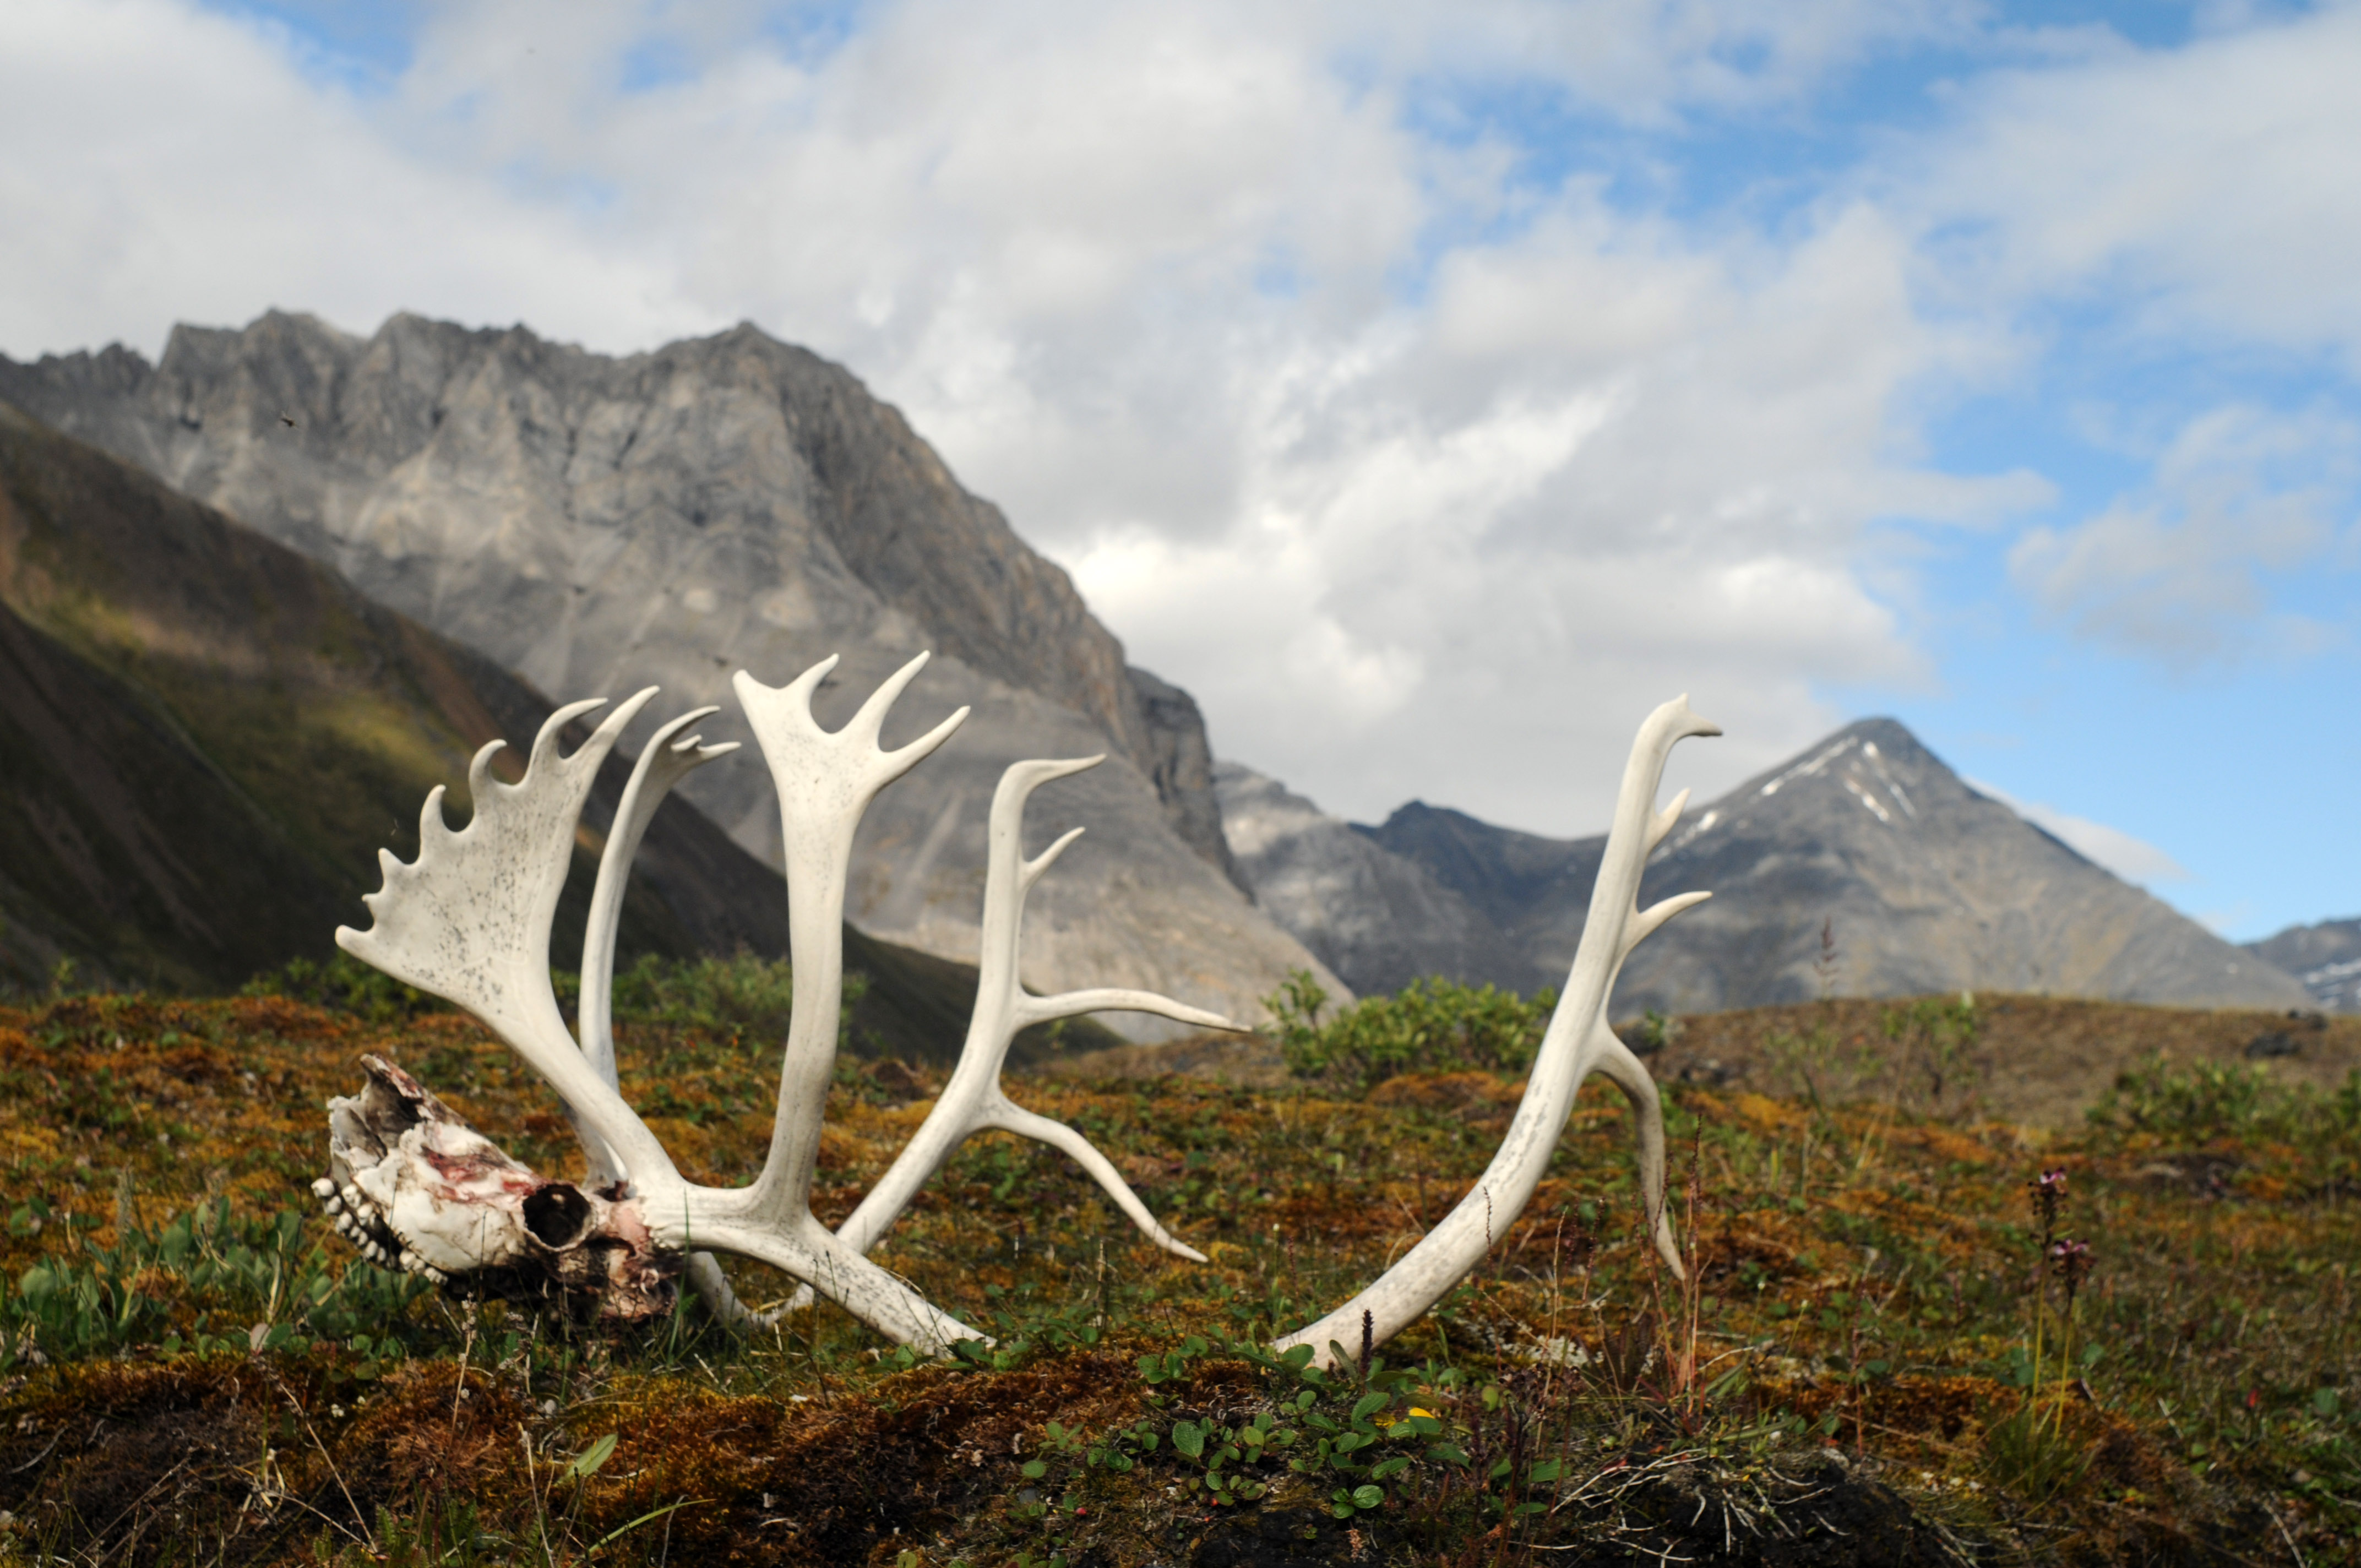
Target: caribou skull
469, 921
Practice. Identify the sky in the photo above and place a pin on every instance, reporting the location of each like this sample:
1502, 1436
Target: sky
1430, 389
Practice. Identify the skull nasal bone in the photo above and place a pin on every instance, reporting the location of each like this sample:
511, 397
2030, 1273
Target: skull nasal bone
557, 1215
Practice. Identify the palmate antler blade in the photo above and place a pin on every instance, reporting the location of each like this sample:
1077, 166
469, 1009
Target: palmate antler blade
469, 920
1576, 1042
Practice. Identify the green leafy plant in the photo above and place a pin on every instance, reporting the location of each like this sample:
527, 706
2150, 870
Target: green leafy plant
741, 995
2200, 1101
1936, 1035
206, 1281
343, 984
1430, 1025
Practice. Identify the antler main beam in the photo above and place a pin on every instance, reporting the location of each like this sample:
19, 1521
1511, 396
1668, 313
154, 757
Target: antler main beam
1576, 1042
663, 762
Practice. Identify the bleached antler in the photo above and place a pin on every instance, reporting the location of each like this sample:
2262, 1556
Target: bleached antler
973, 1101
663, 762
1577, 1042
825, 781
469, 921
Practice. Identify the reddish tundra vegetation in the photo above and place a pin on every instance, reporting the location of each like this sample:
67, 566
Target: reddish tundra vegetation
1975, 1280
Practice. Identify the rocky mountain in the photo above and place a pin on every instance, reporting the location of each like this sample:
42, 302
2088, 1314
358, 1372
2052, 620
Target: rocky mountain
1376, 917
596, 523
205, 738
2327, 957
1923, 885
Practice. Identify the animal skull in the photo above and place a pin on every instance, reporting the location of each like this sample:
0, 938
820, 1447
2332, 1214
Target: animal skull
415, 1188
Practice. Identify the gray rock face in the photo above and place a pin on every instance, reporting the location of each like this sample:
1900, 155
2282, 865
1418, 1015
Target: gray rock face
1378, 919
600, 523
2327, 957
1924, 884
1929, 887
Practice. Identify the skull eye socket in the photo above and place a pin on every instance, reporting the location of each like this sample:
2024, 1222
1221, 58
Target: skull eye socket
557, 1215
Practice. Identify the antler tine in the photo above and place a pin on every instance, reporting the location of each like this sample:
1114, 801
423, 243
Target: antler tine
974, 1100
1648, 921
1662, 822
662, 763
1035, 1010
1009, 1118
870, 722
1049, 857
1614, 1061
470, 919
1570, 1049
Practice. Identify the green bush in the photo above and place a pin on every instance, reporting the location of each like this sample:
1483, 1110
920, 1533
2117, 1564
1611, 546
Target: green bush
740, 994
2201, 1100
1430, 1025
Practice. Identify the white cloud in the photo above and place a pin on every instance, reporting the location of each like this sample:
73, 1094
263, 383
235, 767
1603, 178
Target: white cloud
2134, 859
167, 164
1427, 479
2204, 189
2174, 570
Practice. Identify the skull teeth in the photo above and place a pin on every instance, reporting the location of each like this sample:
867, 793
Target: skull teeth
324, 1188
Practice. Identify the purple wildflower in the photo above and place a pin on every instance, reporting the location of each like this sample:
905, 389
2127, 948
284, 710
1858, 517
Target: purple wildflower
2048, 1193
2070, 1261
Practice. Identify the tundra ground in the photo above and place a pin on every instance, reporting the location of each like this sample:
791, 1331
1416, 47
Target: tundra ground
1873, 1362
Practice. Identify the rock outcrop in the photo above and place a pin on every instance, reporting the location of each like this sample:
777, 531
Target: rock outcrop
205, 738
1922, 884
596, 523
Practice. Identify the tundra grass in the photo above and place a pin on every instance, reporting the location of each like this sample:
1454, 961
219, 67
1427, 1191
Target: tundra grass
1879, 1355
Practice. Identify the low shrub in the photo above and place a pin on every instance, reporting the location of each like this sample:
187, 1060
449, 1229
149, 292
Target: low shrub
2199, 1101
1429, 1026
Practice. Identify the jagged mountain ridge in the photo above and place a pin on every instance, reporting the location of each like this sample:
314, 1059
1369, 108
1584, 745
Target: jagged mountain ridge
1924, 884
598, 523
205, 737
2325, 956
1376, 917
